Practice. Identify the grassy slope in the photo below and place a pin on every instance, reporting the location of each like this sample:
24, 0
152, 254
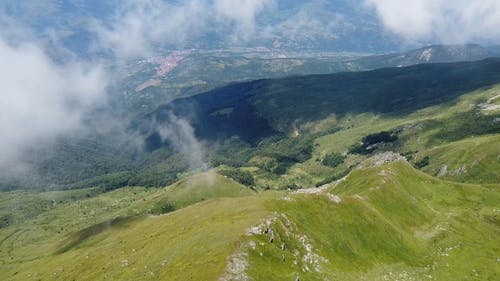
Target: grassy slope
399, 224
430, 128
39, 221
393, 223
479, 155
189, 244
201, 187
422, 132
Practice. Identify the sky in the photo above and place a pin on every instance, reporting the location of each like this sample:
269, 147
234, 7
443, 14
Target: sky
49, 85
441, 21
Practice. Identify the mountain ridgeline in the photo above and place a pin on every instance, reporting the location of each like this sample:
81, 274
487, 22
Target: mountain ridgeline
200, 71
258, 109
430, 54
273, 124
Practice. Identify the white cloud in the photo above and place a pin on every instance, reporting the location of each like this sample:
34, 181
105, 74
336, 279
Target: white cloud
138, 26
179, 132
458, 21
41, 99
311, 22
243, 13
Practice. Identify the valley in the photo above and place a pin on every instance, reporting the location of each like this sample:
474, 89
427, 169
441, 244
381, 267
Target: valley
251, 140
259, 127
338, 186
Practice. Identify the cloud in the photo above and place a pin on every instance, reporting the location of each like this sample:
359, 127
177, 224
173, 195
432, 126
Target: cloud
459, 21
41, 99
138, 26
243, 13
313, 21
179, 132
48, 91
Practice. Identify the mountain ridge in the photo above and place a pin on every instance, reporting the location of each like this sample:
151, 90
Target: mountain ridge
237, 118
385, 221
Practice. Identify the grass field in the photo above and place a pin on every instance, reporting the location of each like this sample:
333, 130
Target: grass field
474, 159
392, 223
455, 134
38, 225
388, 222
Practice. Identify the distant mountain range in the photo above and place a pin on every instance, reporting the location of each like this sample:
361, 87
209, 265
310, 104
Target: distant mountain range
337, 25
432, 54
176, 74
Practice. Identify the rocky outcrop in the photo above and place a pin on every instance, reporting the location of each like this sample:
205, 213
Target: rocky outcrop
381, 159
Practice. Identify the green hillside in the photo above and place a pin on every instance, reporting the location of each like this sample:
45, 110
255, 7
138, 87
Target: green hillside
384, 221
31, 218
387, 222
277, 123
191, 244
470, 160
200, 71
282, 129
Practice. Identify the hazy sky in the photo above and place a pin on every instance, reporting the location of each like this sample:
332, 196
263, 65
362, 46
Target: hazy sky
441, 21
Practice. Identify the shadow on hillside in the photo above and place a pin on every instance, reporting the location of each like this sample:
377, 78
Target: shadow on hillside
77, 238
255, 110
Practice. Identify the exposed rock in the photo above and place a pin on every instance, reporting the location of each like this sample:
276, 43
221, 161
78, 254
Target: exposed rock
458, 172
334, 198
304, 256
322, 190
236, 267
489, 105
359, 197
312, 190
253, 230
381, 159
252, 245
310, 258
477, 161
264, 227
442, 171
410, 128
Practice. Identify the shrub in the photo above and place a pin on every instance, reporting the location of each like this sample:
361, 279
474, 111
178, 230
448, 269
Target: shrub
378, 138
243, 177
6, 220
422, 163
369, 143
162, 207
333, 159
